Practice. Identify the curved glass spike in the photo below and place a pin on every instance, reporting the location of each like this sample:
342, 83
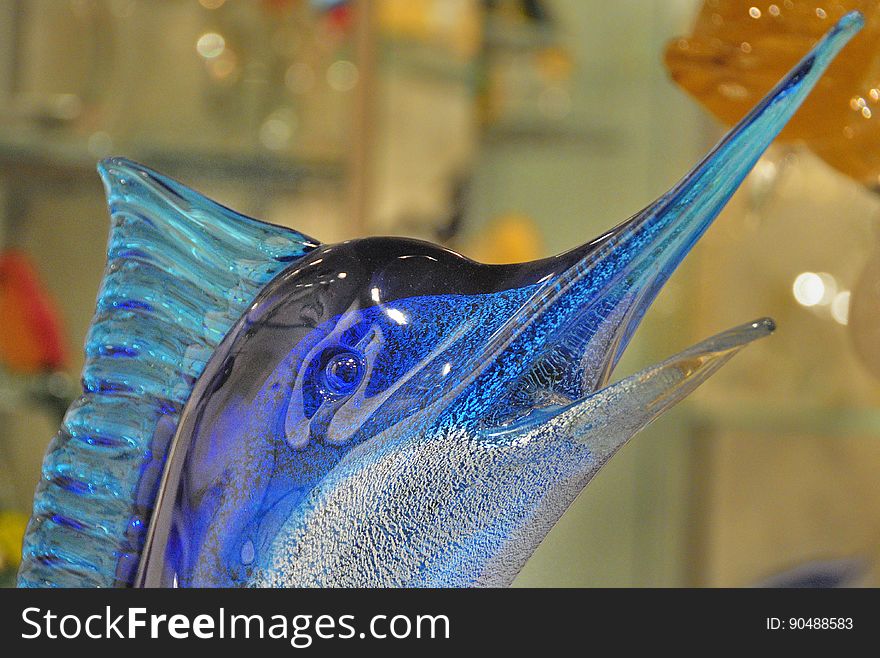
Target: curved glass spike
620, 273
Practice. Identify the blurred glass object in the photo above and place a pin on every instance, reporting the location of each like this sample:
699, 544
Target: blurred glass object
65, 62
12, 525
738, 48
105, 70
31, 336
511, 238
821, 574
526, 71
450, 25
860, 310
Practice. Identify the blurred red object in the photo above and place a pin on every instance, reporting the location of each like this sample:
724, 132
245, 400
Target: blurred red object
31, 336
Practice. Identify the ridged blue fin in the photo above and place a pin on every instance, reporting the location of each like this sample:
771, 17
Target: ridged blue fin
181, 269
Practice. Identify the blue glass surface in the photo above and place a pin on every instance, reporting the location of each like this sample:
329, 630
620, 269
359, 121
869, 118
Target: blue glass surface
180, 271
259, 410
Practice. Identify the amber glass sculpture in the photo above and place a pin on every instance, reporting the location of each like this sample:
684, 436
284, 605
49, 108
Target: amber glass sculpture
738, 49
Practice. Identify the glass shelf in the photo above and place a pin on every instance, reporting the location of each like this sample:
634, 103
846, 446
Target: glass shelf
48, 155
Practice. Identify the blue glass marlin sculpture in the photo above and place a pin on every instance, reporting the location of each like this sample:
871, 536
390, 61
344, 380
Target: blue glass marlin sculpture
262, 410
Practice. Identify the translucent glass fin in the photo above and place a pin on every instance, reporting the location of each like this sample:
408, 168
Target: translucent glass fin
180, 271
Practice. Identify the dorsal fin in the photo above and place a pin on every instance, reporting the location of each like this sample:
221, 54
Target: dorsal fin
181, 269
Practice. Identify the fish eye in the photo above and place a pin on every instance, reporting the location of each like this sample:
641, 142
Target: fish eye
343, 371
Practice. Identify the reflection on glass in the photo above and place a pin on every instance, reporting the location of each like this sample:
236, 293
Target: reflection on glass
251, 417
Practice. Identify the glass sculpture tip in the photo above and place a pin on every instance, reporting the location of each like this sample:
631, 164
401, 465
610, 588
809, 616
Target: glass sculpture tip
742, 335
114, 161
761, 327
111, 170
851, 22
839, 35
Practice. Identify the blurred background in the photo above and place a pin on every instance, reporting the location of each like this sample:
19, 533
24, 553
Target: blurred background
507, 130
